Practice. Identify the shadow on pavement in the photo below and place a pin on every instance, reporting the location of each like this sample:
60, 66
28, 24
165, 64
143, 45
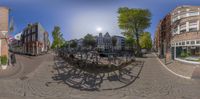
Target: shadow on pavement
85, 80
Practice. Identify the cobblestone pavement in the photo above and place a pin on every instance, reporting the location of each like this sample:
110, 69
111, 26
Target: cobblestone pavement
154, 82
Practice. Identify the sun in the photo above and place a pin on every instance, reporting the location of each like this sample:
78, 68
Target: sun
99, 29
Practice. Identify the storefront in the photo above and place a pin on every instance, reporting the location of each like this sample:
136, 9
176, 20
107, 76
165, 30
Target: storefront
187, 50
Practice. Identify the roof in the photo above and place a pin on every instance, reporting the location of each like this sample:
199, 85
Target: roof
184, 6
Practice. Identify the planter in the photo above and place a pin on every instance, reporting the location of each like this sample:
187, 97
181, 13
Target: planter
3, 67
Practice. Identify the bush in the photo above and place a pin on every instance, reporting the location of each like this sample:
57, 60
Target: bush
183, 54
4, 60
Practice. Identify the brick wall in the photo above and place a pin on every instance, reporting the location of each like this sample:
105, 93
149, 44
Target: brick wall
4, 17
186, 36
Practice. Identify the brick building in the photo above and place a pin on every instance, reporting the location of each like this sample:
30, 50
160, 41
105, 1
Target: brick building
185, 30
4, 18
163, 36
178, 34
35, 40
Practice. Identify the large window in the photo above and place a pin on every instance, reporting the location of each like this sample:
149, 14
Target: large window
193, 13
183, 15
198, 42
182, 28
193, 26
175, 30
192, 42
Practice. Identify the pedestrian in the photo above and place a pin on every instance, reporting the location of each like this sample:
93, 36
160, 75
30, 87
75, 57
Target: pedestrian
13, 59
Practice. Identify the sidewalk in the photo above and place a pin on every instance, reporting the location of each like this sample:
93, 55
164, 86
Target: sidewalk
186, 70
9, 71
180, 68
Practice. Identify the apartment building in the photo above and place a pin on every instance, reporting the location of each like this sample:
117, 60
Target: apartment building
163, 36
35, 40
179, 38
104, 42
185, 31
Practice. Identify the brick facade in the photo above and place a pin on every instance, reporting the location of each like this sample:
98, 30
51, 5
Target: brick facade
179, 32
4, 18
163, 36
34, 39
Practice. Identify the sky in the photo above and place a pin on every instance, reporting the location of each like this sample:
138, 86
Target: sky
80, 17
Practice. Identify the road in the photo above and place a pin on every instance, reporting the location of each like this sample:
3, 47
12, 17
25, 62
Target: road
154, 82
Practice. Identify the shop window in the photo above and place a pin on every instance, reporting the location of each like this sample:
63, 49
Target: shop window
188, 42
197, 42
192, 42
183, 43
179, 43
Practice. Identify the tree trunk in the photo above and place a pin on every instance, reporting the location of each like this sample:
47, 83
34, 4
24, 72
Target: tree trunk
138, 45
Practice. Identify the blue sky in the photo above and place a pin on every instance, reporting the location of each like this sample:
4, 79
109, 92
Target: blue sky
79, 17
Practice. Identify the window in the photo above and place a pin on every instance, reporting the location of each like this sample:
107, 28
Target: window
175, 18
175, 30
34, 29
192, 29
183, 43
188, 42
192, 42
198, 42
179, 43
193, 13
182, 28
193, 26
183, 14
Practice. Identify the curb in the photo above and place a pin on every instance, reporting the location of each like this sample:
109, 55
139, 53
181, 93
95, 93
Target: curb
179, 75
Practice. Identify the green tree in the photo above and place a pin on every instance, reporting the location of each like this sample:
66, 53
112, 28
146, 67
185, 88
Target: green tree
145, 40
65, 45
58, 39
134, 21
73, 44
129, 42
89, 41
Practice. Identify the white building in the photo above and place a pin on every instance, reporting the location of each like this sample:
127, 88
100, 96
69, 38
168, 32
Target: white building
104, 42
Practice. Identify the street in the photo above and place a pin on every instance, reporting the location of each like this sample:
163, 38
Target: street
154, 82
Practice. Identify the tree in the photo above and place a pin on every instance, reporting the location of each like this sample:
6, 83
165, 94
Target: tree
145, 40
73, 44
65, 45
89, 41
58, 39
129, 42
134, 21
